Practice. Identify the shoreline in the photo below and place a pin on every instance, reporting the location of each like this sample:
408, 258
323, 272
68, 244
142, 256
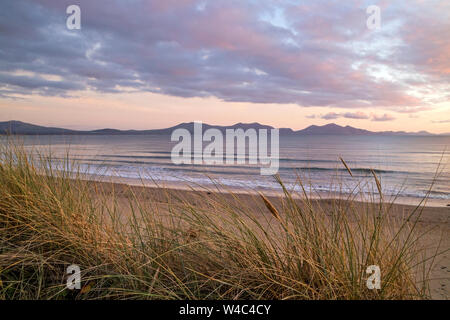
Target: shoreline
188, 185
95, 198
431, 214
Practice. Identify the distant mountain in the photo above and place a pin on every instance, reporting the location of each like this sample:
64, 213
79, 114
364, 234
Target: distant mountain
18, 127
333, 129
22, 128
190, 127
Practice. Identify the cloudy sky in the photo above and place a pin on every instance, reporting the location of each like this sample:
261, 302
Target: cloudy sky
154, 63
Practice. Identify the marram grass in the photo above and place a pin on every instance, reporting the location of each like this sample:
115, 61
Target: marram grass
294, 248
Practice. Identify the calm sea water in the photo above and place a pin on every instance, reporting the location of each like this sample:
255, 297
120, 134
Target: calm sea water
406, 164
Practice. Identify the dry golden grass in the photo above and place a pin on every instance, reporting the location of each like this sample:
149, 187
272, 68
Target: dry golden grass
51, 218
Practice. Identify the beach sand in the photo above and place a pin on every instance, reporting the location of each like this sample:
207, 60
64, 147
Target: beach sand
434, 220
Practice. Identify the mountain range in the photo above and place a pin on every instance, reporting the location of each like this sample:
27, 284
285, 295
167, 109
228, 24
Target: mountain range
22, 128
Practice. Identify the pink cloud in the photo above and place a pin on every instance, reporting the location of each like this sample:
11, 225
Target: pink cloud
320, 54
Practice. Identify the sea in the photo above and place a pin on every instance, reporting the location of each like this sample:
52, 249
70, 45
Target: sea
409, 168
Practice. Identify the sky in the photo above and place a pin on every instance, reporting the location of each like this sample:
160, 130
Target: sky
143, 64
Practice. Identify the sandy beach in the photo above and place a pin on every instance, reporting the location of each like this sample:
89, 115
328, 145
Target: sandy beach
433, 220
172, 242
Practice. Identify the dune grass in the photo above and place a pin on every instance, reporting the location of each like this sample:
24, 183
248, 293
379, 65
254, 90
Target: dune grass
292, 248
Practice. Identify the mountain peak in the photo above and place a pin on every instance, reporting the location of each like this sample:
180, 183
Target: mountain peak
332, 129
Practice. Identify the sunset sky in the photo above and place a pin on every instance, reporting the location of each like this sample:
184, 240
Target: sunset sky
152, 64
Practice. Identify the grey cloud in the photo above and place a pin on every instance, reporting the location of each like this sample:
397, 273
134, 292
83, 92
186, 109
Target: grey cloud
384, 117
232, 50
348, 115
331, 116
355, 115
